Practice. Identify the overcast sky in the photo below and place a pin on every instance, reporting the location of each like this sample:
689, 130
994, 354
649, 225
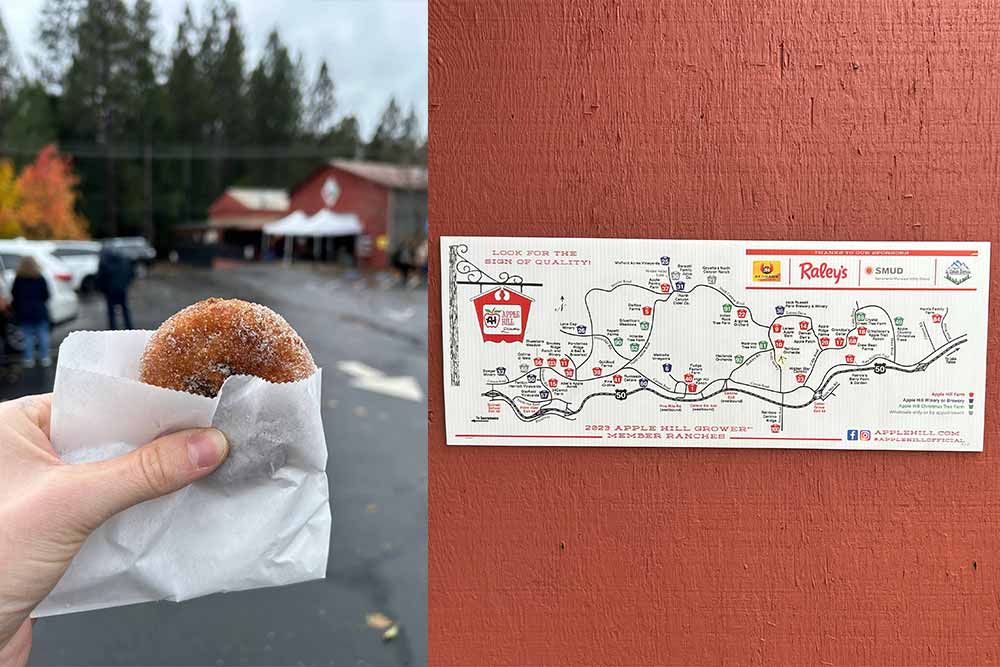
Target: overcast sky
375, 48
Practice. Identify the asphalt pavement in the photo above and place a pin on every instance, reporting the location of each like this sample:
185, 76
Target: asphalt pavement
376, 435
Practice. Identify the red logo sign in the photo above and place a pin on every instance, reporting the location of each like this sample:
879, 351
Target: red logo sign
596, 370
853, 340
775, 428
569, 372
503, 315
849, 358
862, 331
936, 318
803, 325
776, 328
664, 287
823, 272
780, 343
839, 342
800, 377
688, 377
741, 313
564, 362
647, 310
692, 388
539, 361
553, 382
617, 379
824, 341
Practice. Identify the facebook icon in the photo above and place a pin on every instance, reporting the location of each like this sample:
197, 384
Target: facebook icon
852, 434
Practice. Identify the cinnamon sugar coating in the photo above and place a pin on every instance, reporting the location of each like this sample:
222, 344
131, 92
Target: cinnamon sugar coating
202, 345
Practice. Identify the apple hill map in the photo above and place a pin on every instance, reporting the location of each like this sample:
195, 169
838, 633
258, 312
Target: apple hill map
611, 342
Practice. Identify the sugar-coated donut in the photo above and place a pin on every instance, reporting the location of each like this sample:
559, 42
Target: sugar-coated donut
199, 347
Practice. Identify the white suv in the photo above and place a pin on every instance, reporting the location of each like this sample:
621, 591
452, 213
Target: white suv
63, 303
82, 258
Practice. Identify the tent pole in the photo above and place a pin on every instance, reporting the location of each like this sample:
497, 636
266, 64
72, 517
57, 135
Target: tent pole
288, 249
263, 246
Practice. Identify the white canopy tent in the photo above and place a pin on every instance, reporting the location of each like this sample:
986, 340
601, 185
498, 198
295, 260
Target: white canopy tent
323, 224
327, 223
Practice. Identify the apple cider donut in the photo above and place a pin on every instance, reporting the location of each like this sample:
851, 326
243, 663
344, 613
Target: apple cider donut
202, 345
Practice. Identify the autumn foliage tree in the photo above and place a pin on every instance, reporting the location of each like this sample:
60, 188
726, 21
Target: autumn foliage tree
48, 198
10, 201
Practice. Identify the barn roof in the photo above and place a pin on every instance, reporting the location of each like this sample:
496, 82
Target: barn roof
260, 199
398, 177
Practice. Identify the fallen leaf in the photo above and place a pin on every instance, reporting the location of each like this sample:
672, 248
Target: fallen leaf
391, 632
379, 621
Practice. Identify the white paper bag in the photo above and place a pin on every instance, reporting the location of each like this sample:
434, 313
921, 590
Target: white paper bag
262, 519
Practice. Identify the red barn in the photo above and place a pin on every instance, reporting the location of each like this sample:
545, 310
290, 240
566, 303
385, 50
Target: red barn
390, 200
239, 214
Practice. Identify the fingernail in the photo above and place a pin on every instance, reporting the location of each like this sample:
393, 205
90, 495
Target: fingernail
207, 448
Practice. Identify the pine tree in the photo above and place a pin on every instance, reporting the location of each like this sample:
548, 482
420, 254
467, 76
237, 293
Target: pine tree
230, 91
322, 103
410, 138
185, 95
8, 72
275, 100
344, 139
95, 102
30, 122
97, 84
385, 142
144, 118
208, 61
185, 92
57, 39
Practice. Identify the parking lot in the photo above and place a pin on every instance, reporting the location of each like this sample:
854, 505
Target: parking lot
376, 435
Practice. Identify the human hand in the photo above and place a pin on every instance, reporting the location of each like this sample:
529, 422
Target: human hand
48, 508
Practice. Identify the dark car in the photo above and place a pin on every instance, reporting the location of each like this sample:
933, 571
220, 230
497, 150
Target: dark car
135, 248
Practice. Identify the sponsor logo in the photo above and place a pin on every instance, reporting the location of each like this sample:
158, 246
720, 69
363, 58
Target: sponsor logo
957, 273
860, 435
767, 271
852, 434
810, 271
864, 436
883, 270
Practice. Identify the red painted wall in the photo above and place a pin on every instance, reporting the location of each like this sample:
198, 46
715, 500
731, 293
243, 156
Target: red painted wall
367, 200
707, 119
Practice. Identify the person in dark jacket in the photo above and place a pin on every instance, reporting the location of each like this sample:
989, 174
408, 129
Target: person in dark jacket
114, 275
29, 296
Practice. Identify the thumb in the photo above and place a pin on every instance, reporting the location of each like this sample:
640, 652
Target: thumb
163, 466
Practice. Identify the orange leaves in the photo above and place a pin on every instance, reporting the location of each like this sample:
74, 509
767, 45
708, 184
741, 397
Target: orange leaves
47, 199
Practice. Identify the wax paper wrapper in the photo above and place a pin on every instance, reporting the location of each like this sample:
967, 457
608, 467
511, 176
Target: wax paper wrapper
262, 519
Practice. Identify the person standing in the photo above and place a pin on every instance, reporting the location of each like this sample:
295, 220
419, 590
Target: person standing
29, 296
402, 259
114, 275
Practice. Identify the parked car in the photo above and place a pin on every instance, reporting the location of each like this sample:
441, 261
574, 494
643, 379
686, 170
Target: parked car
135, 248
63, 302
82, 258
